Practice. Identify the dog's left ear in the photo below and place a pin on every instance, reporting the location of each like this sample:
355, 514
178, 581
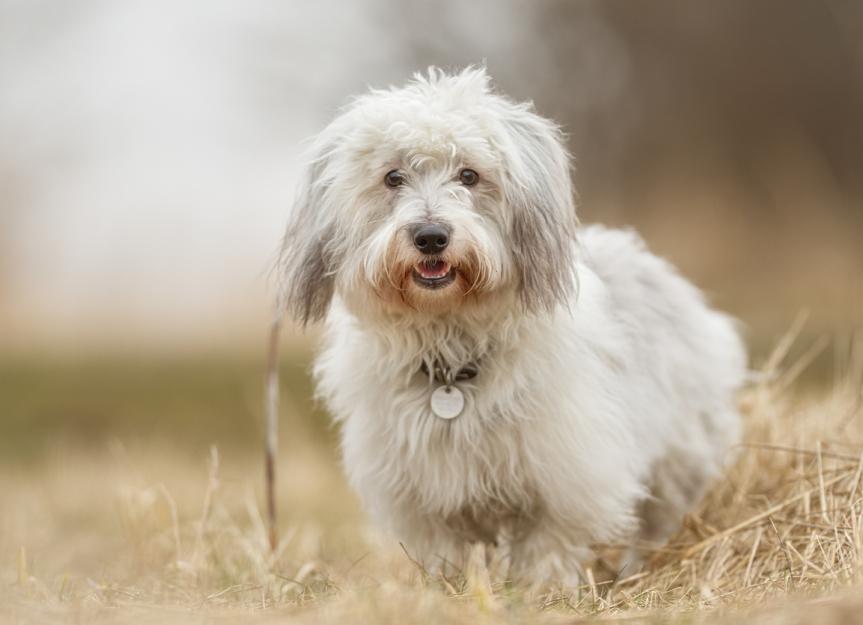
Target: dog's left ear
308, 256
543, 221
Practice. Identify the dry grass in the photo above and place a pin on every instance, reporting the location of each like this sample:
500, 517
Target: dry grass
136, 536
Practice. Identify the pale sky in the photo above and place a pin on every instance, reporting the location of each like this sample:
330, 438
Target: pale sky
151, 150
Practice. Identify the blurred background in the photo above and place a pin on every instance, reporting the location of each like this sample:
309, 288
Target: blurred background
149, 152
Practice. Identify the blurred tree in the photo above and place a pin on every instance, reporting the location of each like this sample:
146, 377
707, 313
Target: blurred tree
642, 87
729, 133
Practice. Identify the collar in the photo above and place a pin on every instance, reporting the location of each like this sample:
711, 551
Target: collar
445, 374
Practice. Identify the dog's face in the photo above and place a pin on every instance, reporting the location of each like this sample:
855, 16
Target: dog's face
429, 199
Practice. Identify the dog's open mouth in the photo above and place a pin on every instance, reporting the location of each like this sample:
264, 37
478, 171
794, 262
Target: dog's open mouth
433, 274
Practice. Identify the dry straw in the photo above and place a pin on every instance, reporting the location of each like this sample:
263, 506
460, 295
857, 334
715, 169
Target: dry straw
785, 528
788, 520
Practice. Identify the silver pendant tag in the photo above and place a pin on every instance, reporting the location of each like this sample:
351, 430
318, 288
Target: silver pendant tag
447, 402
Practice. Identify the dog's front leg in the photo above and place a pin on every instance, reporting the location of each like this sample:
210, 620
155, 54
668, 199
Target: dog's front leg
430, 542
548, 551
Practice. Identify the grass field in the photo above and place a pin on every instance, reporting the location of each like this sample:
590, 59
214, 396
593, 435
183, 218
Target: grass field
130, 493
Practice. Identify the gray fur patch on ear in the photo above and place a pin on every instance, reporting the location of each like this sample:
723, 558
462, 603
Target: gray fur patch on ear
307, 260
544, 258
309, 280
544, 221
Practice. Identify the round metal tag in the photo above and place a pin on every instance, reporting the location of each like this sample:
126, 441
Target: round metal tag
447, 402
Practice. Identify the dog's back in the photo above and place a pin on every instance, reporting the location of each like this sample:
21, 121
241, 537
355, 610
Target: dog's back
678, 332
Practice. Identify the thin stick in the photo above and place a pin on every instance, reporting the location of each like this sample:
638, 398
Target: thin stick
272, 434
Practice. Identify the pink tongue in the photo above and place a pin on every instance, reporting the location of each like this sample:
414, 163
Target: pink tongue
434, 270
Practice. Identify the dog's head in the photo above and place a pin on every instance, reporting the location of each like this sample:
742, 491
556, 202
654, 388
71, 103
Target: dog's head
430, 199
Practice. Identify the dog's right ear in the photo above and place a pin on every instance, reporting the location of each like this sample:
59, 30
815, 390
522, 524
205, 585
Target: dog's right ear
307, 260
538, 188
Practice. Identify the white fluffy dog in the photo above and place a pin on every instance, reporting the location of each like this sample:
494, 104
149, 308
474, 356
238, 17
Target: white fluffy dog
498, 372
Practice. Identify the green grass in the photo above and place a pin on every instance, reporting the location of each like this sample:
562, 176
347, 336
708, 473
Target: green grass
189, 402
110, 512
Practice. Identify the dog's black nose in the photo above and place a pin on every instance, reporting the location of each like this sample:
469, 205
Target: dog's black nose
431, 238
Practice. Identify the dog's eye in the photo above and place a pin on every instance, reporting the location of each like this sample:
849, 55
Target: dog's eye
468, 177
394, 179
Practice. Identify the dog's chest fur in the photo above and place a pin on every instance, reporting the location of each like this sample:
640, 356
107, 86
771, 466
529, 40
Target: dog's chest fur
470, 471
